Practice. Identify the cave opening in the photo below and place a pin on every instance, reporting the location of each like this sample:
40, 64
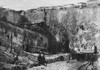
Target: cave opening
54, 46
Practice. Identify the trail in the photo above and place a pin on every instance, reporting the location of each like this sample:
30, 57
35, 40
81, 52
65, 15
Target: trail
61, 65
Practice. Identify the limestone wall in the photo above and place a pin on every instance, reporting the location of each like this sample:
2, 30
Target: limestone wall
76, 24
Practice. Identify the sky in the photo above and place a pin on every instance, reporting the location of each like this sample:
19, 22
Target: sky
30, 4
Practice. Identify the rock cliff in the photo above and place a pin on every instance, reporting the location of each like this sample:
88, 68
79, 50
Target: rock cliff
55, 29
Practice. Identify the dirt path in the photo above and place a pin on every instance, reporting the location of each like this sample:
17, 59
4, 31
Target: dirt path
63, 65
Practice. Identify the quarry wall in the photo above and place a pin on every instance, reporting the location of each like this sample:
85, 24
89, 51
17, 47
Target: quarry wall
76, 27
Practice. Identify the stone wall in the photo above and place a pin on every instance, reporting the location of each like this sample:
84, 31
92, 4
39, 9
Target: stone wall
21, 39
74, 26
80, 24
77, 23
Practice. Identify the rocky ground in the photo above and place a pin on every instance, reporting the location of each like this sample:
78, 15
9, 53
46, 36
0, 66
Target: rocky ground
28, 61
54, 63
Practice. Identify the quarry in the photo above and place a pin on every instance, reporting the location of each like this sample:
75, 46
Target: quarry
55, 31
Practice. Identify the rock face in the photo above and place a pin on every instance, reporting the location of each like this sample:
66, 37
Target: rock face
55, 29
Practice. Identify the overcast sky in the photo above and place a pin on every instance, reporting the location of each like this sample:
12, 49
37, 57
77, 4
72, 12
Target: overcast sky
29, 4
